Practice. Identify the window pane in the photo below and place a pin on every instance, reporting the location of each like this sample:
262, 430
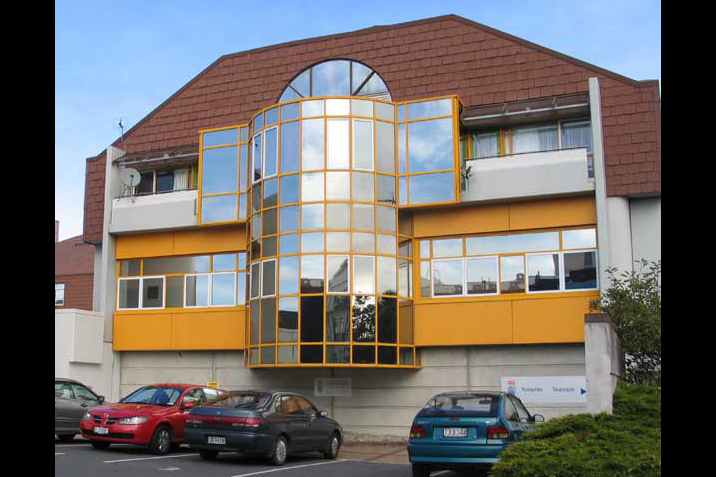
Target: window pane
270, 151
338, 216
165, 181
386, 189
312, 354
289, 147
289, 111
406, 356
338, 143
430, 145
255, 279
312, 186
256, 197
363, 275
338, 107
337, 273
312, 108
259, 122
512, 272
218, 173
481, 275
577, 134
362, 107
405, 277
386, 244
223, 288
338, 354
429, 109
289, 189
288, 244
288, 275
485, 145
271, 116
387, 354
225, 261
270, 193
363, 144
312, 275
363, 242
402, 157
166, 265
153, 293
447, 277
337, 318
337, 185
175, 292
387, 320
312, 217
363, 354
543, 272
580, 270
216, 138
288, 320
288, 354
387, 279
146, 183
312, 144
196, 290
586, 238
385, 139
268, 354
383, 110
311, 318
268, 280
447, 247
128, 294
338, 242
218, 209
130, 268
363, 218
364, 318
425, 286
534, 139
288, 219
403, 190
255, 315
386, 218
363, 186
240, 288
268, 320
512, 243
331, 78
243, 171
430, 188
257, 157
269, 222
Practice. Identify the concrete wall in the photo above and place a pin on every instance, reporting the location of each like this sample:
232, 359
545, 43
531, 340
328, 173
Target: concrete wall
154, 212
646, 228
383, 401
603, 362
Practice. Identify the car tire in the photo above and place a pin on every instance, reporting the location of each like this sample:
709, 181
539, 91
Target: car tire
66, 437
208, 454
100, 445
421, 470
334, 444
280, 451
161, 442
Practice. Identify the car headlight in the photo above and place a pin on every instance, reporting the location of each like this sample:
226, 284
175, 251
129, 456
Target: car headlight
133, 420
87, 417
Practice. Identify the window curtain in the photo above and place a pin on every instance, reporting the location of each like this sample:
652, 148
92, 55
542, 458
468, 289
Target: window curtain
486, 145
180, 179
576, 135
534, 139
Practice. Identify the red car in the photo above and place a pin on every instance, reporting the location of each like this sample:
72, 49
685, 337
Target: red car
151, 416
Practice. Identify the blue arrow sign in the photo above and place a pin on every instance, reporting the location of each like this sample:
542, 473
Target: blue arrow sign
583, 391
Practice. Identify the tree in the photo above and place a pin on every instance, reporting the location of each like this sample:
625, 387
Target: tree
633, 303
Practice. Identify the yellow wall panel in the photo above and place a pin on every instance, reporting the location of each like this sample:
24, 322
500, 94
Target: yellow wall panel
208, 330
553, 320
181, 242
142, 331
553, 213
461, 220
463, 323
144, 245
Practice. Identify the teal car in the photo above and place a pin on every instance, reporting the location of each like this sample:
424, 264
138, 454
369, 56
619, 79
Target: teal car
467, 429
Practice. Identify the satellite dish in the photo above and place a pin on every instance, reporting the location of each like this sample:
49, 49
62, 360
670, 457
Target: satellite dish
130, 177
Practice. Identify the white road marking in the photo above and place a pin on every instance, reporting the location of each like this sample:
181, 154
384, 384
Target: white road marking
148, 458
59, 453
441, 472
171, 468
76, 445
289, 468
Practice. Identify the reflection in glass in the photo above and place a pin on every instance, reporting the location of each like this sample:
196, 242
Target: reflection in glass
311, 318
386, 244
402, 158
270, 193
338, 185
218, 173
312, 143
447, 277
331, 78
447, 247
242, 206
338, 354
218, 208
312, 217
362, 144
166, 265
481, 275
386, 218
255, 314
580, 270
268, 274
337, 273
289, 147
363, 242
196, 290
384, 110
242, 169
312, 275
543, 272
512, 273
338, 143
271, 116
288, 354
312, 186
338, 107
338, 242
362, 107
387, 279
363, 186
385, 142
268, 354
430, 188
338, 216
425, 285
270, 151
363, 318
430, 145
363, 354
257, 157
256, 197
387, 354
403, 190
216, 138
288, 219
255, 279
586, 238
288, 244
405, 277
256, 226
259, 122
130, 268
406, 356
386, 189
289, 189
363, 218
175, 292
288, 320
288, 275
223, 286
363, 275
312, 242
430, 109
269, 222
240, 288
512, 243
337, 318
268, 320
128, 294
289, 111
311, 353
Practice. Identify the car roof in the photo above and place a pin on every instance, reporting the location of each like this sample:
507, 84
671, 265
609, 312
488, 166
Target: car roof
68, 380
174, 385
472, 392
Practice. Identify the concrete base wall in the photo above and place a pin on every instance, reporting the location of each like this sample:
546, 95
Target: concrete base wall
646, 228
383, 401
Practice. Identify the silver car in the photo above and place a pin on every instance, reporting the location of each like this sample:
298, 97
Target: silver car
72, 400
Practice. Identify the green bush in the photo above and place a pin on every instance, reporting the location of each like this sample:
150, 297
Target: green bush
625, 443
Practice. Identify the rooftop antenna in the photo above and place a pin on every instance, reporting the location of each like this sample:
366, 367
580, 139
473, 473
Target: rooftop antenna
119, 122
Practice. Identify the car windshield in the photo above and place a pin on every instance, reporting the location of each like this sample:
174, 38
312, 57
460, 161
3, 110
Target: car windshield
240, 400
477, 405
154, 395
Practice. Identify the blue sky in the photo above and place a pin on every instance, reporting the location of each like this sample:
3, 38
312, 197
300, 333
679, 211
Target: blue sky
121, 59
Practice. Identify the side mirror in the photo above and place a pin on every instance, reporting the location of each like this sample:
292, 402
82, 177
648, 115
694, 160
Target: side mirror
100, 399
188, 405
323, 414
538, 418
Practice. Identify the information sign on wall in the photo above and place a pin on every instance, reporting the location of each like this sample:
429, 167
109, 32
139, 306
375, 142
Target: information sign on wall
547, 389
332, 387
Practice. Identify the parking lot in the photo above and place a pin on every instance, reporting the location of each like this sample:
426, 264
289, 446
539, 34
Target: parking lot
78, 459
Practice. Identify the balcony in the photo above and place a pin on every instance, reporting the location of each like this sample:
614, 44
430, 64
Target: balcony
529, 175
155, 212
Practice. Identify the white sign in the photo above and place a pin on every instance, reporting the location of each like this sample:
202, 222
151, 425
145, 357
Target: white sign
332, 387
547, 389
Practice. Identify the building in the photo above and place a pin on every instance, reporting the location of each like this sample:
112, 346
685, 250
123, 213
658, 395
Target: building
404, 209
74, 273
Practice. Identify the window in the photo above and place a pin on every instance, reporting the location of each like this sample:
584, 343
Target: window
533, 139
336, 78
59, 294
141, 293
168, 180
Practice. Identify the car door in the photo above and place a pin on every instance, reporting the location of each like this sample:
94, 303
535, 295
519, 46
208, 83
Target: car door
67, 408
511, 418
86, 399
296, 423
525, 418
318, 430
195, 395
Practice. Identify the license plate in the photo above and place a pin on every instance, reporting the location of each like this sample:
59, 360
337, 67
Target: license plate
101, 430
215, 440
455, 432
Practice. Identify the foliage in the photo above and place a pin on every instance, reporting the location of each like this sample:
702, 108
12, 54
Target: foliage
633, 303
625, 443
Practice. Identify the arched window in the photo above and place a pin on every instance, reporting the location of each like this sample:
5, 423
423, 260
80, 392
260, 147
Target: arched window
336, 78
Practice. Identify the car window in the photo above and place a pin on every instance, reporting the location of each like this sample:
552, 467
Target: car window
305, 405
195, 395
83, 393
509, 412
63, 390
521, 409
211, 393
240, 400
154, 395
478, 405
288, 405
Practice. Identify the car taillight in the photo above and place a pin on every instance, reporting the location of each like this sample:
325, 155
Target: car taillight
497, 433
417, 432
250, 422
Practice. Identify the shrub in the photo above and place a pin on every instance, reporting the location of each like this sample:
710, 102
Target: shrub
625, 443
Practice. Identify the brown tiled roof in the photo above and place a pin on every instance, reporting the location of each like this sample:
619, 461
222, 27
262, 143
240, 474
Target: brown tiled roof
73, 257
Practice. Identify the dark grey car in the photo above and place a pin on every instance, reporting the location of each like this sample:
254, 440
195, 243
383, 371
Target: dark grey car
72, 400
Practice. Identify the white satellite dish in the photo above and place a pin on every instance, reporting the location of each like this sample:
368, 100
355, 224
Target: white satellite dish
130, 177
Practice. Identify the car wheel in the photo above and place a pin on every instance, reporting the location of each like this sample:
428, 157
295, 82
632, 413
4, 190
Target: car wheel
333, 445
100, 445
161, 442
280, 451
208, 454
421, 470
66, 437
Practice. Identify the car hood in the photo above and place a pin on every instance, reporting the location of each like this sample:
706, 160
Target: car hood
127, 410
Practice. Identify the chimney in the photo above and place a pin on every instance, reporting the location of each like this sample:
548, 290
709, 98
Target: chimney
57, 230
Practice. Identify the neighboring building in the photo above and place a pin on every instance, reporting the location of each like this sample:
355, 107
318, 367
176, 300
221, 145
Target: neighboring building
443, 228
74, 273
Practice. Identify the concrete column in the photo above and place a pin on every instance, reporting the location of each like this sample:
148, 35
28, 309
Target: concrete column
620, 240
602, 362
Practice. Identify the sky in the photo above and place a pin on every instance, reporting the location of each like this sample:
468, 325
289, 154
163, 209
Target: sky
122, 59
